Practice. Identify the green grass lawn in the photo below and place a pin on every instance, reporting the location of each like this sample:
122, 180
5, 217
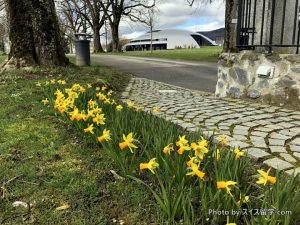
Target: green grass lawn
2, 58
205, 54
45, 164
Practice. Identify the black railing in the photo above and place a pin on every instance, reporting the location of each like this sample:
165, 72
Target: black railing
268, 24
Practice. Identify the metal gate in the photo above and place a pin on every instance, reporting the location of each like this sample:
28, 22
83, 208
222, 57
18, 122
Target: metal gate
268, 24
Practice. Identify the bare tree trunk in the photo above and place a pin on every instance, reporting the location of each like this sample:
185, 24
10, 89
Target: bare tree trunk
151, 43
230, 28
34, 34
115, 37
97, 41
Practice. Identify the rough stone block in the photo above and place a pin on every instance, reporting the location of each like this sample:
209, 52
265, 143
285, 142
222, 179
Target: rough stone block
294, 171
278, 164
256, 153
275, 149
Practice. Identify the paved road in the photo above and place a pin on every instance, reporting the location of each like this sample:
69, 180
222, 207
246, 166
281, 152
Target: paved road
191, 75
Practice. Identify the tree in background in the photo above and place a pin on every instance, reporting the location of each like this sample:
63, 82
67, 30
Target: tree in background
34, 34
229, 38
148, 18
119, 9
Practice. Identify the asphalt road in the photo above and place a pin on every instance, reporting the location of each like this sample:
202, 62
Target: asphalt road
191, 75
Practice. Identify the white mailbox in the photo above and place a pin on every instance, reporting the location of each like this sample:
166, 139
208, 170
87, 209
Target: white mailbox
265, 71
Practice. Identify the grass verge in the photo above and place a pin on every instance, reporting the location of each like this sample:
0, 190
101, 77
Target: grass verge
2, 58
44, 164
205, 54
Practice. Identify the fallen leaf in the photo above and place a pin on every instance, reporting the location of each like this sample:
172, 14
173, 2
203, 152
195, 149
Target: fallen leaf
19, 203
63, 207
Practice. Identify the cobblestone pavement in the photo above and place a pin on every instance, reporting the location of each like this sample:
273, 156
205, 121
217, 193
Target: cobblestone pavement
267, 133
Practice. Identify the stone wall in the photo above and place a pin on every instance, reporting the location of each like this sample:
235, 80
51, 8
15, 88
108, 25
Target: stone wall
237, 78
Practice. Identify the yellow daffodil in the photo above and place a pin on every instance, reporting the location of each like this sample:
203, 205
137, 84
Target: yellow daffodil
89, 86
97, 88
47, 83
194, 160
73, 95
45, 101
195, 171
107, 101
119, 107
59, 94
130, 105
167, 150
109, 93
99, 119
238, 153
223, 139
138, 108
151, 165
89, 129
182, 143
264, 177
200, 148
92, 103
156, 109
52, 81
101, 96
74, 114
62, 82
38, 84
105, 136
226, 185
128, 142
104, 88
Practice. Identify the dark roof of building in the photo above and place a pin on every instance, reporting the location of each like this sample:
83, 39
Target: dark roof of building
214, 33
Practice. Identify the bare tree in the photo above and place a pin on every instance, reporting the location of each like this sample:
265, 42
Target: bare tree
122, 8
148, 18
95, 16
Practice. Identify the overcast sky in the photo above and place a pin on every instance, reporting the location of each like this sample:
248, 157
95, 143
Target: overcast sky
176, 14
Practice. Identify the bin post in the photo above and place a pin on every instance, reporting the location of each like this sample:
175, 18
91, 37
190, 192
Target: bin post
82, 49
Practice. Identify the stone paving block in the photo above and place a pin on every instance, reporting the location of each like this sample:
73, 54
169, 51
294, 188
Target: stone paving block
276, 142
239, 137
256, 153
259, 144
294, 171
259, 134
296, 141
274, 127
297, 154
240, 132
239, 144
278, 164
263, 129
295, 117
275, 149
295, 130
257, 138
288, 157
295, 148
279, 136
286, 125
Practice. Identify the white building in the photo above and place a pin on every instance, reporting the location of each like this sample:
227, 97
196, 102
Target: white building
168, 39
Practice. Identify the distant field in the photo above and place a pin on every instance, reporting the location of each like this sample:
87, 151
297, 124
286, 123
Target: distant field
2, 58
205, 54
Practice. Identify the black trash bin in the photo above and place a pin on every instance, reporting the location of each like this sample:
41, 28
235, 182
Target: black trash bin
82, 49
